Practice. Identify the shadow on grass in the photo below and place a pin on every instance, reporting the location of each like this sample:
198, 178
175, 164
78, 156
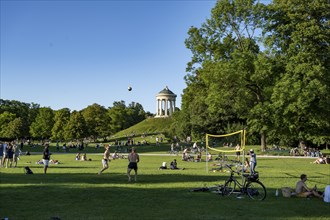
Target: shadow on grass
87, 196
104, 178
312, 178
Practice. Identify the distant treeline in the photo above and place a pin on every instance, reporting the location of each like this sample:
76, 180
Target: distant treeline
29, 120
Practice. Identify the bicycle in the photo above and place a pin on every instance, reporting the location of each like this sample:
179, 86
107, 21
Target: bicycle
251, 186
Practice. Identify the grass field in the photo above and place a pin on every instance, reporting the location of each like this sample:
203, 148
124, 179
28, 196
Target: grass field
73, 190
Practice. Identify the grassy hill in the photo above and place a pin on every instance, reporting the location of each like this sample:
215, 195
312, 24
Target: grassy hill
148, 127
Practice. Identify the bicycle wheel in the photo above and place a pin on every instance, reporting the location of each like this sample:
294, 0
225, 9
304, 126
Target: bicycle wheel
256, 190
228, 188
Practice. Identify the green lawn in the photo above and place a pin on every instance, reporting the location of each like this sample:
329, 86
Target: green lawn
73, 190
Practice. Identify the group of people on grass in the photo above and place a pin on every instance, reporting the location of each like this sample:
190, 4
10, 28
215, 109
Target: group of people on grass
133, 159
191, 155
173, 166
9, 150
81, 157
9, 154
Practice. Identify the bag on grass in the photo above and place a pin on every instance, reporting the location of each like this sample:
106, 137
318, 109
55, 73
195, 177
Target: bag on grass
28, 170
287, 192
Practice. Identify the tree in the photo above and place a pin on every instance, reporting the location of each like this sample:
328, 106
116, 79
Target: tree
299, 35
226, 83
97, 121
10, 126
180, 126
76, 127
43, 124
117, 113
135, 113
27, 113
61, 118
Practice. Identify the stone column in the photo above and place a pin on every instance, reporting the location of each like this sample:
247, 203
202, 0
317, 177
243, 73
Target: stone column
162, 107
156, 107
171, 107
157, 112
166, 107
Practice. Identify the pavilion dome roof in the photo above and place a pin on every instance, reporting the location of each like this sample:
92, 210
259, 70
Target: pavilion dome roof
166, 91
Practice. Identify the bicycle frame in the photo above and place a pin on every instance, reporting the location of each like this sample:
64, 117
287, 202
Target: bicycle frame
240, 185
252, 187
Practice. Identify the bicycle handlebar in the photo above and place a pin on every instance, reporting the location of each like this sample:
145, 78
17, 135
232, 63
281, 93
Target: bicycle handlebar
233, 171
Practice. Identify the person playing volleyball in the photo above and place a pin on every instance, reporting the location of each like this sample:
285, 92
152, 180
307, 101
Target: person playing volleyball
133, 159
105, 160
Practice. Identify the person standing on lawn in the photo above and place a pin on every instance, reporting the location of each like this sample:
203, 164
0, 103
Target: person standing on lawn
133, 159
46, 157
253, 161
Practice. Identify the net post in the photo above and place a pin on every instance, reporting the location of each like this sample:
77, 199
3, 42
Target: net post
206, 161
243, 148
206, 148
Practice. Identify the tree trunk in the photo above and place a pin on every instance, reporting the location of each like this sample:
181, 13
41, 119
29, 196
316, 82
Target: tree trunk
263, 141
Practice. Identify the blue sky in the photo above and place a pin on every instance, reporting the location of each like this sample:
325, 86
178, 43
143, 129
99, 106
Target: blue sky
75, 53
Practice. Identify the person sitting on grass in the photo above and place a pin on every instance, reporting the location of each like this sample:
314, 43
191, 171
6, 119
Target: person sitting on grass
303, 191
185, 154
174, 165
115, 155
84, 157
246, 166
163, 166
208, 157
321, 160
78, 156
198, 157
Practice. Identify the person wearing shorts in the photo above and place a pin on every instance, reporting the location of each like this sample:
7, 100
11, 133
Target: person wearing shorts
9, 155
46, 157
303, 191
105, 160
133, 159
253, 161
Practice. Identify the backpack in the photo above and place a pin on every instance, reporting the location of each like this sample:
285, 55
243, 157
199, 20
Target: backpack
27, 170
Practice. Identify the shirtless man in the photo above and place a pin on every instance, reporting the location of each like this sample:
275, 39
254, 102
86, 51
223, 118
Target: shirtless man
105, 160
303, 191
133, 159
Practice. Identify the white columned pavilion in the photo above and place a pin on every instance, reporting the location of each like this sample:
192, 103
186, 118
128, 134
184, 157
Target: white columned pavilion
165, 103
